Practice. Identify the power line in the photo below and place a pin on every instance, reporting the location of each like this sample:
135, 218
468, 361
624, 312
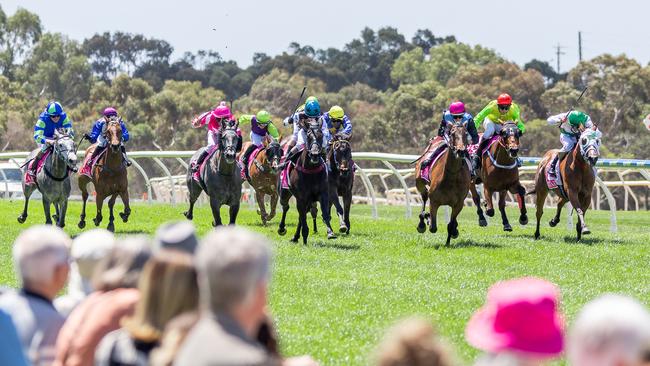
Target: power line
558, 52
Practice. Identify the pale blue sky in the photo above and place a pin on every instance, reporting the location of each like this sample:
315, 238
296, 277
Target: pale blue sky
518, 30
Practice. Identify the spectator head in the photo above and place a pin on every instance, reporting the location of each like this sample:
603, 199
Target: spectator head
168, 287
123, 264
41, 257
233, 265
521, 317
413, 342
611, 330
87, 251
179, 235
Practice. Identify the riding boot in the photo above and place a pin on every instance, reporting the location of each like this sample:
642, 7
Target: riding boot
292, 156
126, 159
551, 169
244, 160
98, 150
197, 163
32, 170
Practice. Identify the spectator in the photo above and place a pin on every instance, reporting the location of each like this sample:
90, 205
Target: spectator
11, 351
178, 235
87, 250
612, 330
173, 337
233, 265
168, 288
41, 258
116, 295
519, 325
413, 342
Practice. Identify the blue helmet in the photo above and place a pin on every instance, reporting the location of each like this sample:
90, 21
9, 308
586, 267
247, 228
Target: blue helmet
54, 109
312, 109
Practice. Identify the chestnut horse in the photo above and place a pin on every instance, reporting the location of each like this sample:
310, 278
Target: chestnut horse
500, 173
577, 173
109, 177
264, 176
450, 179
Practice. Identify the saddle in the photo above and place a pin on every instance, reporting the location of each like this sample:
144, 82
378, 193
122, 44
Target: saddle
285, 182
438, 145
473, 149
251, 160
197, 175
88, 166
31, 179
555, 182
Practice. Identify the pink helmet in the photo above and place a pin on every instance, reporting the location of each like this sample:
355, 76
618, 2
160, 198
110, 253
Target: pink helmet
222, 111
457, 108
110, 111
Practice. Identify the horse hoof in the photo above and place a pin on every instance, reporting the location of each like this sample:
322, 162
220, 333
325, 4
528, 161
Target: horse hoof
81, 224
188, 215
433, 229
343, 230
61, 226
482, 222
422, 228
282, 231
490, 212
111, 227
294, 240
21, 219
553, 223
97, 222
454, 234
124, 216
537, 236
523, 220
507, 227
586, 231
331, 235
55, 217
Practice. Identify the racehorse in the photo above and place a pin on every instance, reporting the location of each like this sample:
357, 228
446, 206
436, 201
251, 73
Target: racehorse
264, 169
448, 181
576, 172
109, 177
500, 173
219, 177
341, 179
53, 180
308, 183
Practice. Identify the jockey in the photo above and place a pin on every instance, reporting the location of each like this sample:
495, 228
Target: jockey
300, 112
571, 126
455, 113
261, 127
310, 112
213, 119
50, 120
493, 116
97, 134
337, 122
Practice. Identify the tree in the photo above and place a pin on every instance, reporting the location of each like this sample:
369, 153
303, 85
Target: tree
425, 39
18, 33
550, 76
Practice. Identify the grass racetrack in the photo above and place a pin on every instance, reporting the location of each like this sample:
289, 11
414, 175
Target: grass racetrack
334, 299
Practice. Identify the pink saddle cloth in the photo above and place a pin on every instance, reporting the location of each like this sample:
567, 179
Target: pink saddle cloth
284, 176
472, 149
251, 161
87, 166
197, 174
438, 144
31, 179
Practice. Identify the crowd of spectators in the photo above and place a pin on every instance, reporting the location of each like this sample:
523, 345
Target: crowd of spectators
175, 300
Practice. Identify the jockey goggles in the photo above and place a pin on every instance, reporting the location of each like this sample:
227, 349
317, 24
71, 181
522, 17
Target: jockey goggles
504, 107
457, 116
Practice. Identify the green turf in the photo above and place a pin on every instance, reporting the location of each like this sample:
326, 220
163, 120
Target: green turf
333, 299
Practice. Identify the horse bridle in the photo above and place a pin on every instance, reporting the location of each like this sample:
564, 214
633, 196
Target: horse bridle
57, 151
335, 146
446, 136
507, 131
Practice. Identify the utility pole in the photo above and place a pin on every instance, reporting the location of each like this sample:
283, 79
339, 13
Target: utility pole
579, 46
558, 52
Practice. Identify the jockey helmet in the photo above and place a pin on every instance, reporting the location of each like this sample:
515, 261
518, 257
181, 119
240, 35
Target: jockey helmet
457, 108
311, 98
54, 109
577, 118
337, 112
504, 99
222, 111
312, 109
263, 117
110, 111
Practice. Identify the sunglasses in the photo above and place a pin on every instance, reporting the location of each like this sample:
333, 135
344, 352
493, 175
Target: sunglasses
503, 107
337, 120
457, 116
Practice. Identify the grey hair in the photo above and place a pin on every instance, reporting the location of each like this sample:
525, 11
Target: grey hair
231, 263
609, 330
38, 251
122, 266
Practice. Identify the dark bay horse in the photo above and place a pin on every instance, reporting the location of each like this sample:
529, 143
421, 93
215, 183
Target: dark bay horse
220, 178
448, 184
53, 180
500, 173
264, 176
109, 177
308, 184
341, 179
577, 173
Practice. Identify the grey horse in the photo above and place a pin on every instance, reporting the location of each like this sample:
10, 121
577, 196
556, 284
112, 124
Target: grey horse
53, 181
221, 178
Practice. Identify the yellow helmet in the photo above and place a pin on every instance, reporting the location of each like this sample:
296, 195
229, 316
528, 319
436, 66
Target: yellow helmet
336, 112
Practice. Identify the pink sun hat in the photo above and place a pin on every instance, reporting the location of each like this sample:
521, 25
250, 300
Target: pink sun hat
521, 315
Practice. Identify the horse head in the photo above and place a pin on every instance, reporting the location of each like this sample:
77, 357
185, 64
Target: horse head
113, 133
457, 139
228, 141
314, 140
509, 136
342, 154
590, 145
64, 148
274, 154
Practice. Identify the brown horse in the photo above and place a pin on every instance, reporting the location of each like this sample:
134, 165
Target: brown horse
109, 177
450, 179
577, 173
264, 176
500, 173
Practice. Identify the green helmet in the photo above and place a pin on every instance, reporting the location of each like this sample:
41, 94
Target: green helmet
263, 116
311, 99
577, 118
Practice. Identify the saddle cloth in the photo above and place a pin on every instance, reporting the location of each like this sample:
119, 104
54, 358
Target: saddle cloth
438, 145
251, 161
28, 178
555, 182
86, 167
197, 174
473, 148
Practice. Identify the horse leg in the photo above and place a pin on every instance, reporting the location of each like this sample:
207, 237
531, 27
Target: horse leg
302, 220
284, 202
520, 192
46, 211
489, 205
585, 201
124, 196
433, 213
452, 227
502, 209
259, 197
84, 199
194, 193
100, 202
111, 217
314, 215
422, 226
575, 202
477, 202
556, 220
57, 212
347, 204
234, 210
327, 218
274, 204
539, 205
215, 205
305, 226
27, 190
63, 208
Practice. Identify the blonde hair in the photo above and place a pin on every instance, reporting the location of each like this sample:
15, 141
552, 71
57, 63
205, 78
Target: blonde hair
168, 287
413, 342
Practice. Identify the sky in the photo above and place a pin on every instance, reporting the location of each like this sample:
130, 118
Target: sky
517, 30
